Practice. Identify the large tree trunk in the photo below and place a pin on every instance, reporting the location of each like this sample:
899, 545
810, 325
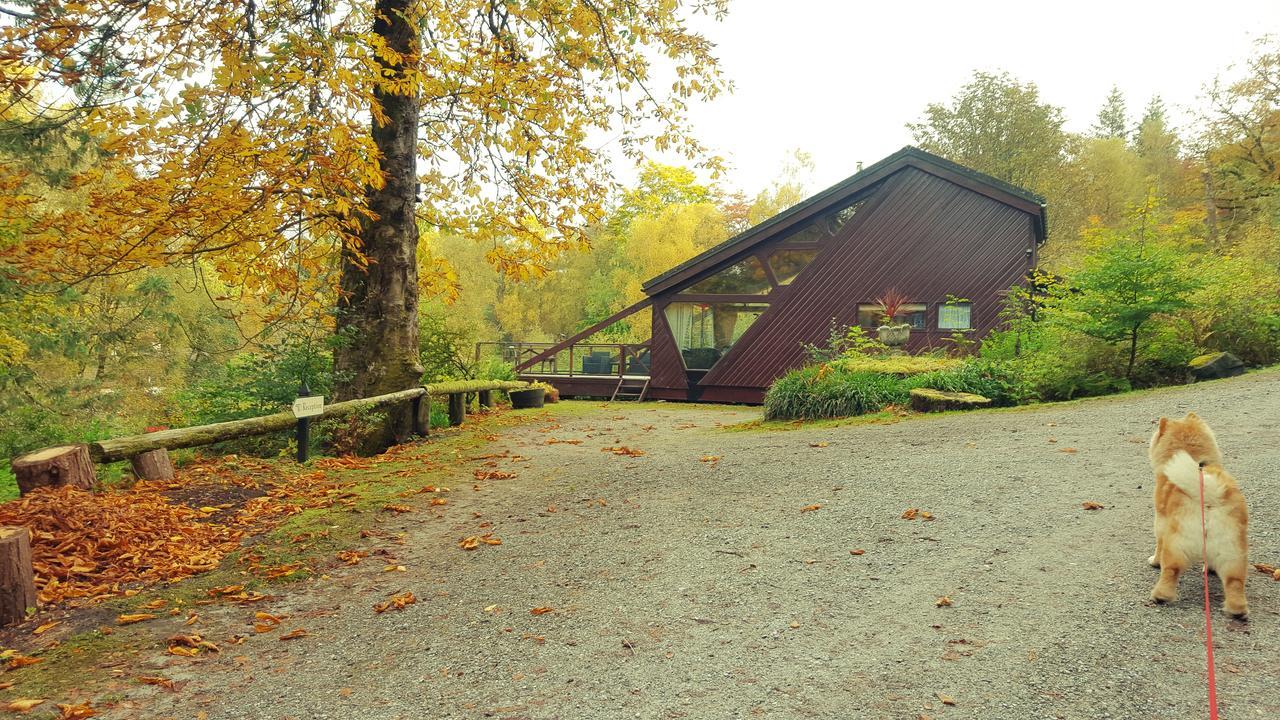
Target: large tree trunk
17, 576
377, 319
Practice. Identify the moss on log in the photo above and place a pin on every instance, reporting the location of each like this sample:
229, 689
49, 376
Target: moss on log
930, 400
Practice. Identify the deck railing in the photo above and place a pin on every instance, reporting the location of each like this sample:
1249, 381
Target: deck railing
579, 359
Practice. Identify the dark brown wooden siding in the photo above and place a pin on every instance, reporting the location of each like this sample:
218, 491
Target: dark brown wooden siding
927, 237
667, 370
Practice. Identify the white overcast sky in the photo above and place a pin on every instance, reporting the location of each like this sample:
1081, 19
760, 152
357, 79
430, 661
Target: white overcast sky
840, 80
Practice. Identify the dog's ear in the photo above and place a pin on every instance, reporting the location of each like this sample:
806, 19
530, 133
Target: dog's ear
1164, 422
1192, 416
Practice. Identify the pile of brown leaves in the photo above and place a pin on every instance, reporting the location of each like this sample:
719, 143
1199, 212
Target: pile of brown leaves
87, 546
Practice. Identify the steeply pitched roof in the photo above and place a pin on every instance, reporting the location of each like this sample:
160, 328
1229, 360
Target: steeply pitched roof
814, 206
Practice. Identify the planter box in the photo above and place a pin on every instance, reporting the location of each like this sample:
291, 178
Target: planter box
894, 335
531, 398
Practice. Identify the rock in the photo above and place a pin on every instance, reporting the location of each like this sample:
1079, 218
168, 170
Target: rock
930, 400
1214, 366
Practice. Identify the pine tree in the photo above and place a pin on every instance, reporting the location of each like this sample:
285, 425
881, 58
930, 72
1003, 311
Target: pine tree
1112, 119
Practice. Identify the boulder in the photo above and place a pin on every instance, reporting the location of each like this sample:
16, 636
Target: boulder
1215, 365
930, 400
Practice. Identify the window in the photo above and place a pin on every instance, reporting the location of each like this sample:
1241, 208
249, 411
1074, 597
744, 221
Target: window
955, 316
837, 219
787, 264
704, 332
743, 278
871, 315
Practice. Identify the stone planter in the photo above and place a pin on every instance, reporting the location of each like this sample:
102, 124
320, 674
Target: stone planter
531, 398
895, 336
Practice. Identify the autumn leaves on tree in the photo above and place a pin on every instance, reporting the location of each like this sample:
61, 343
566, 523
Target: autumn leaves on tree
293, 150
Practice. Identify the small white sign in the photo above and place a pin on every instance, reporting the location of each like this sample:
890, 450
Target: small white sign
308, 406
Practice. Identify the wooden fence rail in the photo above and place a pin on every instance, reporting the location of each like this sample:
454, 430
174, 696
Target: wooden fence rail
124, 448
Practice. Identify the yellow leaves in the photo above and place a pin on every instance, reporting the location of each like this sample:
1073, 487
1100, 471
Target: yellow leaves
23, 705
402, 508
266, 622
811, 508
711, 459
294, 634
1266, 569
134, 618
1091, 505
943, 601
472, 542
351, 557
190, 645
819, 444
623, 450
397, 602
165, 683
914, 513
542, 610
394, 568
439, 501
945, 699
46, 627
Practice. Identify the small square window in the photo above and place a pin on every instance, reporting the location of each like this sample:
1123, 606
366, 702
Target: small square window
955, 316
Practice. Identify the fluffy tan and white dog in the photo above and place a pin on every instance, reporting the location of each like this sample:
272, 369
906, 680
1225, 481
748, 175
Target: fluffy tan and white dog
1179, 449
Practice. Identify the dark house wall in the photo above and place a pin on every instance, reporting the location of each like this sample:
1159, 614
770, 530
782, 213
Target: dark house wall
924, 235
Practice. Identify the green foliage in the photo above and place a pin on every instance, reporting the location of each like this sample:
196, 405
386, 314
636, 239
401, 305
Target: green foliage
821, 391
1002, 382
843, 341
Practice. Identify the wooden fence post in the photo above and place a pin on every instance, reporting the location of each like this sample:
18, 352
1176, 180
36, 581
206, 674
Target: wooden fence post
17, 577
421, 413
486, 399
457, 408
54, 467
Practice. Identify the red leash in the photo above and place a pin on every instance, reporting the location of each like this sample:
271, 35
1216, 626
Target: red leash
1208, 618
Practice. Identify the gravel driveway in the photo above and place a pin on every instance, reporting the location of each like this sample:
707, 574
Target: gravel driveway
687, 587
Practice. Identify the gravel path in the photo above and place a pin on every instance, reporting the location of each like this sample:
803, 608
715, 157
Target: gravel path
685, 588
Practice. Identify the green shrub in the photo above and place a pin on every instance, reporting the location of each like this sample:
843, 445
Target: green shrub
1002, 382
824, 391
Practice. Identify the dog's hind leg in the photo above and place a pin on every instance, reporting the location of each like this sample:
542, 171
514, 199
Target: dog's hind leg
1154, 560
1172, 563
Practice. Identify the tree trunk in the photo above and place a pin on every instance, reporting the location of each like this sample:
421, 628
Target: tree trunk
377, 321
17, 577
153, 465
54, 467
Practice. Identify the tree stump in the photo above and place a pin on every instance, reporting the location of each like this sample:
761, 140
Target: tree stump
153, 465
54, 467
17, 578
930, 400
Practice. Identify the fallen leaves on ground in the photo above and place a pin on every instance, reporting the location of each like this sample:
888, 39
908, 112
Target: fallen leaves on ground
554, 441
1091, 505
819, 444
946, 699
399, 508
472, 542
190, 645
493, 475
397, 602
76, 712
944, 601
294, 634
24, 705
710, 459
165, 683
541, 610
1266, 569
395, 568
351, 557
20, 661
859, 551
811, 508
622, 450
439, 501
134, 618
46, 627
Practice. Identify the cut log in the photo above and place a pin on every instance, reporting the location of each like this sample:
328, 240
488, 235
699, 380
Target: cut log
930, 400
54, 467
153, 465
17, 578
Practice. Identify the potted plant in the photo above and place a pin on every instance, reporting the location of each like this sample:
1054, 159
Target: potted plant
895, 336
552, 394
530, 397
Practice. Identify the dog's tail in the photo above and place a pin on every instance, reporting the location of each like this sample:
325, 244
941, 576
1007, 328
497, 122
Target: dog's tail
1183, 471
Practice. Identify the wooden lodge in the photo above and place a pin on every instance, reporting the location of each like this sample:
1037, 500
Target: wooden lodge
730, 321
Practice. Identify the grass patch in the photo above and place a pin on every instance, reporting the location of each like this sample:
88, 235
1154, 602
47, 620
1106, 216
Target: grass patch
900, 365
